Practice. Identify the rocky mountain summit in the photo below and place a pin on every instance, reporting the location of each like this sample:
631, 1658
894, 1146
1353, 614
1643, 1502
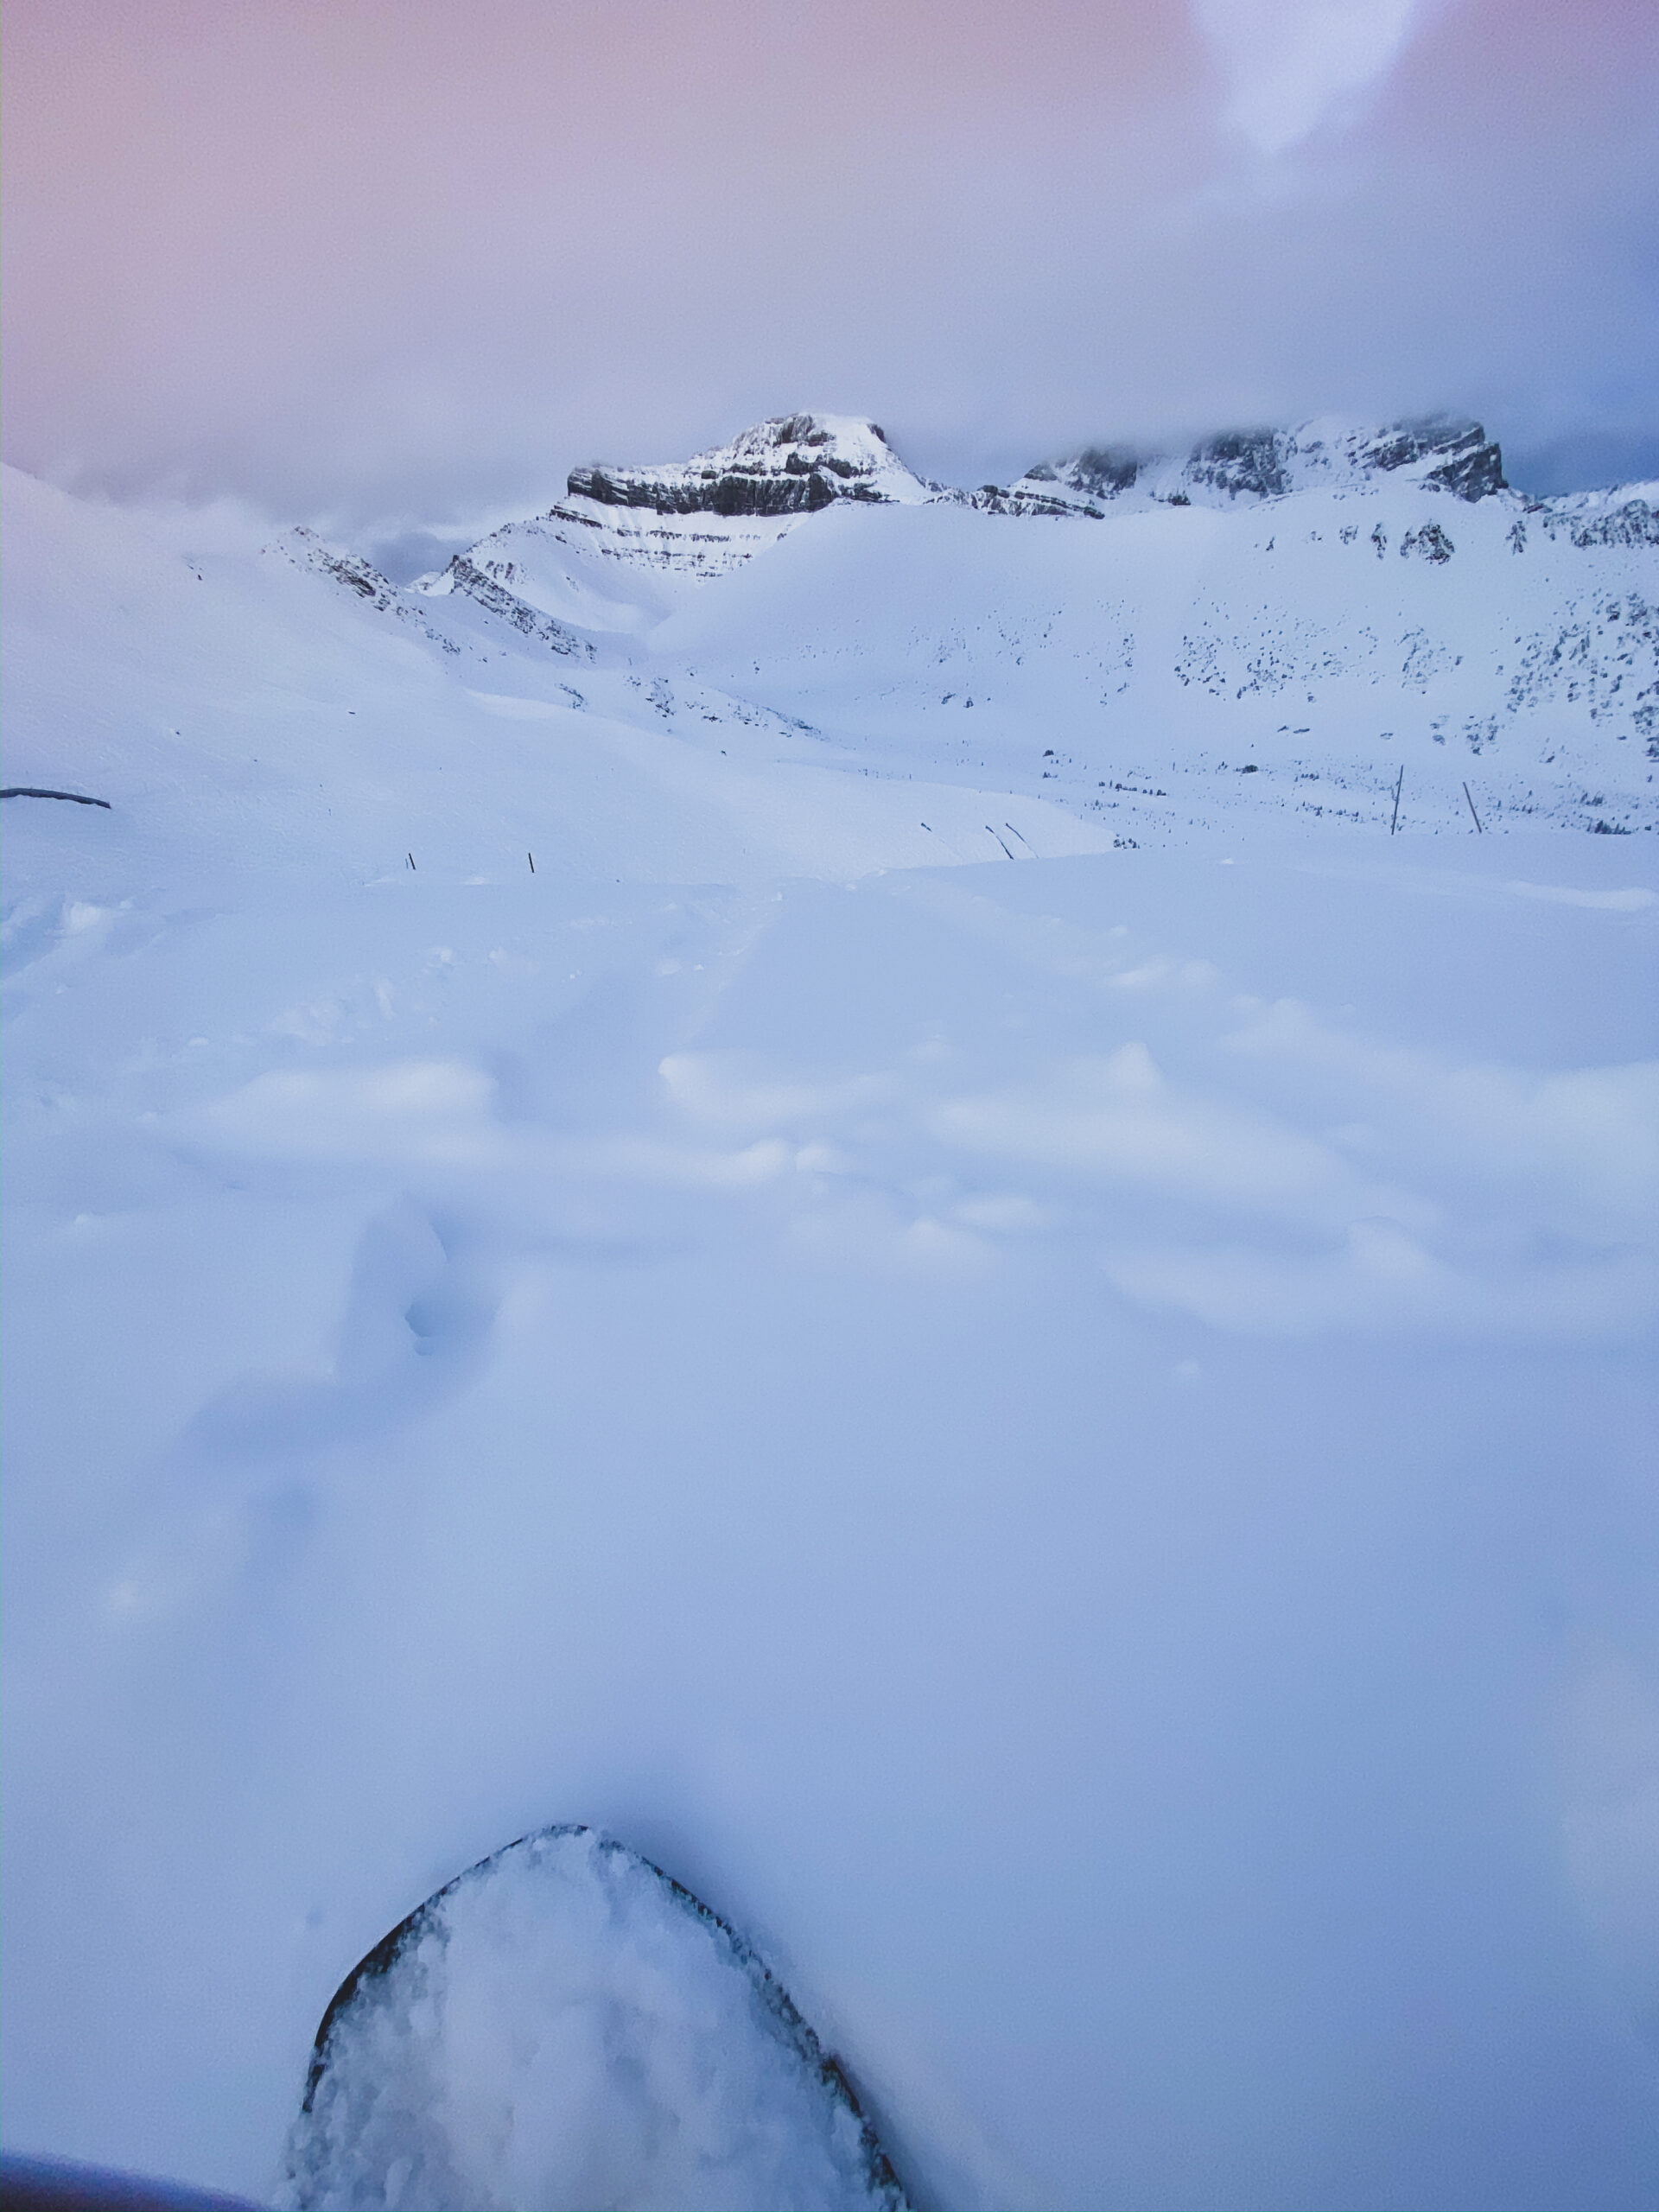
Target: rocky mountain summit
792, 465
685, 522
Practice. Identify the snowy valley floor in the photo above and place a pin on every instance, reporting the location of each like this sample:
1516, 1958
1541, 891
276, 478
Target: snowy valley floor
1068, 1443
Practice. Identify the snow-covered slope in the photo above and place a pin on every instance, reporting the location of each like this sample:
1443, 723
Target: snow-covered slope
1328, 645
286, 707
1067, 1441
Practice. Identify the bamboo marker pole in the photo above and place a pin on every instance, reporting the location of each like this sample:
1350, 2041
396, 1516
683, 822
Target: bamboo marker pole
1470, 796
1399, 785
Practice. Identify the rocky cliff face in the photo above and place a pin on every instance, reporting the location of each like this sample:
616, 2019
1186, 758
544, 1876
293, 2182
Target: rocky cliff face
792, 465
1456, 457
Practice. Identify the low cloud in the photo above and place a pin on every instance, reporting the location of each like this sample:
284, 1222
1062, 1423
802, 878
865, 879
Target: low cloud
396, 278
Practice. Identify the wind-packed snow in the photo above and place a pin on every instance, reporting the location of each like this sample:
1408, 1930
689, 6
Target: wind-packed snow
563, 2027
1007, 1337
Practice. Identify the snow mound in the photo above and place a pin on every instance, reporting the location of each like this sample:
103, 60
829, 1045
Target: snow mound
563, 2026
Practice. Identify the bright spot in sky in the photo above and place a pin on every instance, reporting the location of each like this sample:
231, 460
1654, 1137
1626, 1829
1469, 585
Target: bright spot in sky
1292, 61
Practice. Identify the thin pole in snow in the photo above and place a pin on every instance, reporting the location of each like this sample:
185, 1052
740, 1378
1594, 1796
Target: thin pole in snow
531, 857
1399, 782
1472, 809
989, 832
409, 857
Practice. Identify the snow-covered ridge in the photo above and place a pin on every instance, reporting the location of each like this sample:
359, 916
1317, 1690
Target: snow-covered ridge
1231, 467
308, 551
621, 552
1248, 467
1628, 514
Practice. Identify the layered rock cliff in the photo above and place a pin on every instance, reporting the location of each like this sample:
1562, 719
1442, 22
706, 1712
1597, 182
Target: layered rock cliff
792, 465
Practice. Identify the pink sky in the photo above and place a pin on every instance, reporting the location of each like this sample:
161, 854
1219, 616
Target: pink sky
380, 262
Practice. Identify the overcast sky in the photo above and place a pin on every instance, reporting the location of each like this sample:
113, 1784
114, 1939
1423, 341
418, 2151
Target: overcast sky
395, 264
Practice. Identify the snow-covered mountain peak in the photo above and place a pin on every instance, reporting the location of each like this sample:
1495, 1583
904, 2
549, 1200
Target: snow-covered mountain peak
793, 464
625, 545
1231, 467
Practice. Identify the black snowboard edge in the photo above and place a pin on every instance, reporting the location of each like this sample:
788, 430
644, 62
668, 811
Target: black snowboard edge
375, 1965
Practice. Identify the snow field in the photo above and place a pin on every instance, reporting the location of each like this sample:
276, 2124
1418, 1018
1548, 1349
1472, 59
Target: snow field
1066, 1441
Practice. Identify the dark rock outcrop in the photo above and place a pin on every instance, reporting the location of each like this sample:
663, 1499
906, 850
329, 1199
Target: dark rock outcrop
1471, 466
734, 493
1251, 462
